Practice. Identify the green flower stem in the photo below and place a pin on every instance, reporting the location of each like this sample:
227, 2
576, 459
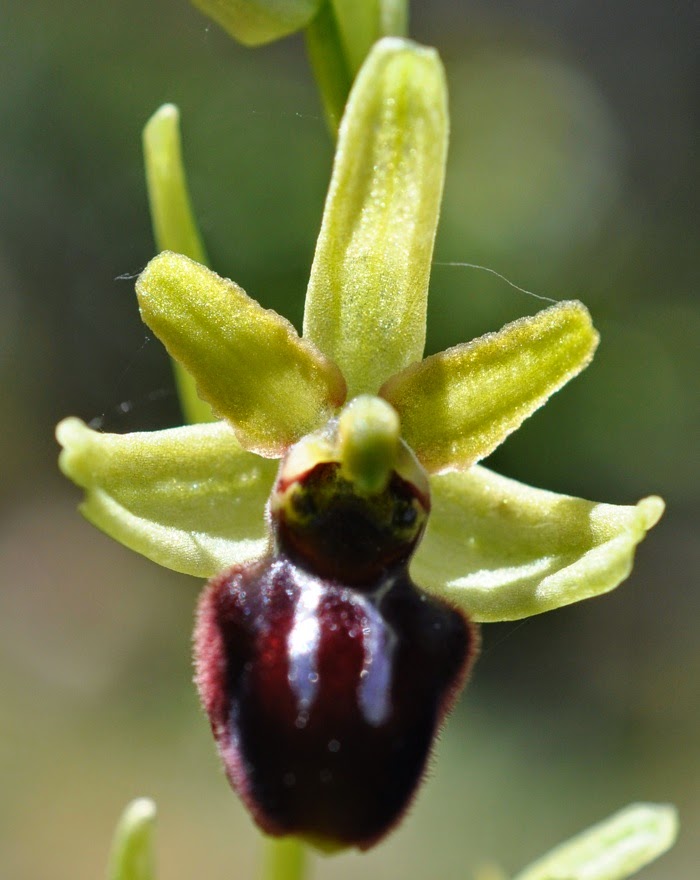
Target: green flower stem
393, 18
329, 65
338, 40
285, 859
174, 226
131, 857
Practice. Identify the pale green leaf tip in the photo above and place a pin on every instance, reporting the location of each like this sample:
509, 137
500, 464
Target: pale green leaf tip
139, 813
160, 132
131, 857
167, 114
614, 849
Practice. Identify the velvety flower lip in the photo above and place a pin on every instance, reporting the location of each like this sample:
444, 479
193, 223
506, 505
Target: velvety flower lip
194, 498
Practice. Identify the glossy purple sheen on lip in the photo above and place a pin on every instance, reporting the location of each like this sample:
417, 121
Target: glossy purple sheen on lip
324, 699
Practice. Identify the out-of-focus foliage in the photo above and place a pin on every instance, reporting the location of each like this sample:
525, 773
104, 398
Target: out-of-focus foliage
572, 171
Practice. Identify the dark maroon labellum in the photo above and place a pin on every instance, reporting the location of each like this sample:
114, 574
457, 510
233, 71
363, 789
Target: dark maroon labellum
325, 670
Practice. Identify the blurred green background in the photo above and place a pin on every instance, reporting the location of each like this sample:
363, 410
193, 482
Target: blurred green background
574, 171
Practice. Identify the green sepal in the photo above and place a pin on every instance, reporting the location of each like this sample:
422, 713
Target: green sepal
456, 407
366, 300
131, 856
190, 498
501, 550
255, 22
248, 362
613, 849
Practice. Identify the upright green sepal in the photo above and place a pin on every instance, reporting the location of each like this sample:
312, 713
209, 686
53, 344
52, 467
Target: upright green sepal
456, 407
131, 857
255, 22
248, 362
366, 300
501, 550
188, 498
614, 849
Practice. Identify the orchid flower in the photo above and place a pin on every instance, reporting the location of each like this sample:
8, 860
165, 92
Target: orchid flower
379, 486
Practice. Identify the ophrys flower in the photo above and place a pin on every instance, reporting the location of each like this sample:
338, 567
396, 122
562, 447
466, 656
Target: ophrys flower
349, 501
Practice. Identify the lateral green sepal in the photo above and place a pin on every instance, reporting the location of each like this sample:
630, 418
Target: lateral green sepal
501, 550
248, 362
456, 407
190, 498
366, 300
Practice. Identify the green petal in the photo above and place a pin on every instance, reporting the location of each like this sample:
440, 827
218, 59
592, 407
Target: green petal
188, 498
132, 857
366, 301
456, 407
612, 850
248, 362
254, 22
500, 550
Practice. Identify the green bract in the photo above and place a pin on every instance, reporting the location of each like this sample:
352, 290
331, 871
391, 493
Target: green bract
194, 498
